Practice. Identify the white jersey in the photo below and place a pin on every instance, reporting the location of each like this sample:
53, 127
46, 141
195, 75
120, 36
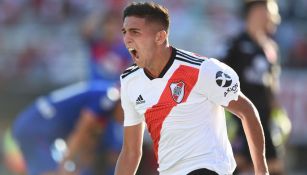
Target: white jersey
183, 112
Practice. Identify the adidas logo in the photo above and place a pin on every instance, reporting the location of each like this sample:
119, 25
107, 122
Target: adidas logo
139, 100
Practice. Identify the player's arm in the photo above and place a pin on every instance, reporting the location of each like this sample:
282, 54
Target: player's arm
131, 152
246, 111
82, 140
221, 85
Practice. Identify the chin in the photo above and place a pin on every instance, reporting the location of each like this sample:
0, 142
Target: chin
139, 65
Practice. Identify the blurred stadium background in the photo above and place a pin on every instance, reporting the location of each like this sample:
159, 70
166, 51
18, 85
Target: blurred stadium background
42, 48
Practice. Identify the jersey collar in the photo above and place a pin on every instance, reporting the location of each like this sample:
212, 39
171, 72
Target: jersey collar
167, 66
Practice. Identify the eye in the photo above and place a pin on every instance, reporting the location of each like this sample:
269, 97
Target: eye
134, 32
124, 31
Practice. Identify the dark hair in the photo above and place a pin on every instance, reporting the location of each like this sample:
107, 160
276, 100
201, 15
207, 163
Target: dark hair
249, 4
151, 11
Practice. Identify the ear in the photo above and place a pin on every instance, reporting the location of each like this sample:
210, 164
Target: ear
161, 37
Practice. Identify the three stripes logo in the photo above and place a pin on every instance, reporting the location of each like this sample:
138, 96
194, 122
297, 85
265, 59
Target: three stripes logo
140, 100
189, 57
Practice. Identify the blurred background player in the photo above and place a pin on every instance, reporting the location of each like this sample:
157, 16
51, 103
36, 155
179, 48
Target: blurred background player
59, 133
108, 54
110, 144
254, 56
108, 57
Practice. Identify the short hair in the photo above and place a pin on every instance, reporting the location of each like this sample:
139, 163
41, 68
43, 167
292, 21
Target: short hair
151, 11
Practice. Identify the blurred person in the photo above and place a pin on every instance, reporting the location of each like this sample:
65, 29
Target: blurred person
108, 55
181, 97
254, 56
110, 145
58, 133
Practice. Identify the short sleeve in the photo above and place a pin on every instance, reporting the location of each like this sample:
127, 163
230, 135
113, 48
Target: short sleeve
218, 82
131, 117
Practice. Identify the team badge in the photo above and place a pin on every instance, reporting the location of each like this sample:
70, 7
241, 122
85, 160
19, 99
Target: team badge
177, 91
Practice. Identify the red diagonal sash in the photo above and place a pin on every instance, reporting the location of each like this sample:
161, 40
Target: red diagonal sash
156, 115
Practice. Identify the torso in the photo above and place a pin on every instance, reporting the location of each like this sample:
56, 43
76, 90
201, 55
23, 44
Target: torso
179, 118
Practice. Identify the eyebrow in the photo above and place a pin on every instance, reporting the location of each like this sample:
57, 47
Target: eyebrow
131, 29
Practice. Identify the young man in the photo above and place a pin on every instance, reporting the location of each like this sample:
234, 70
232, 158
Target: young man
77, 115
254, 56
180, 96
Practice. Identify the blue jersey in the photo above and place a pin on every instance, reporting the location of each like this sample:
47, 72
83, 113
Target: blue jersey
56, 114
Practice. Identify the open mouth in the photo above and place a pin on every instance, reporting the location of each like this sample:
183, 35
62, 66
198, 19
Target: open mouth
134, 53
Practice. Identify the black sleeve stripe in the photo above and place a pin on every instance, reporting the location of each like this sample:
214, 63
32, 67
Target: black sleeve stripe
130, 68
190, 57
185, 58
188, 61
128, 72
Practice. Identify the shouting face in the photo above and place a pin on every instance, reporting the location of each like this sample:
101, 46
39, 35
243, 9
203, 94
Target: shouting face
140, 38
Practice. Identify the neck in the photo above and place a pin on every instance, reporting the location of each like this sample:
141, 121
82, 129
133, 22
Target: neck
162, 56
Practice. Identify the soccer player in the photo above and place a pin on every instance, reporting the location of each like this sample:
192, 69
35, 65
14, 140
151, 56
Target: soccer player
77, 115
254, 56
181, 97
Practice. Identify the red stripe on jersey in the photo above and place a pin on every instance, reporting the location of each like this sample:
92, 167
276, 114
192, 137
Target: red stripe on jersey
156, 115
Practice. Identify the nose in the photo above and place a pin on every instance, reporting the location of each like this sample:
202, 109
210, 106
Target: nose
127, 38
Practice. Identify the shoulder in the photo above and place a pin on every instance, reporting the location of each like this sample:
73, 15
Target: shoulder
214, 72
213, 65
189, 58
236, 41
131, 76
129, 71
244, 43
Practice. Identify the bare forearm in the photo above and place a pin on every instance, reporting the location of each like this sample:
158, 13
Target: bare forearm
246, 111
76, 151
82, 140
255, 138
127, 163
75, 143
